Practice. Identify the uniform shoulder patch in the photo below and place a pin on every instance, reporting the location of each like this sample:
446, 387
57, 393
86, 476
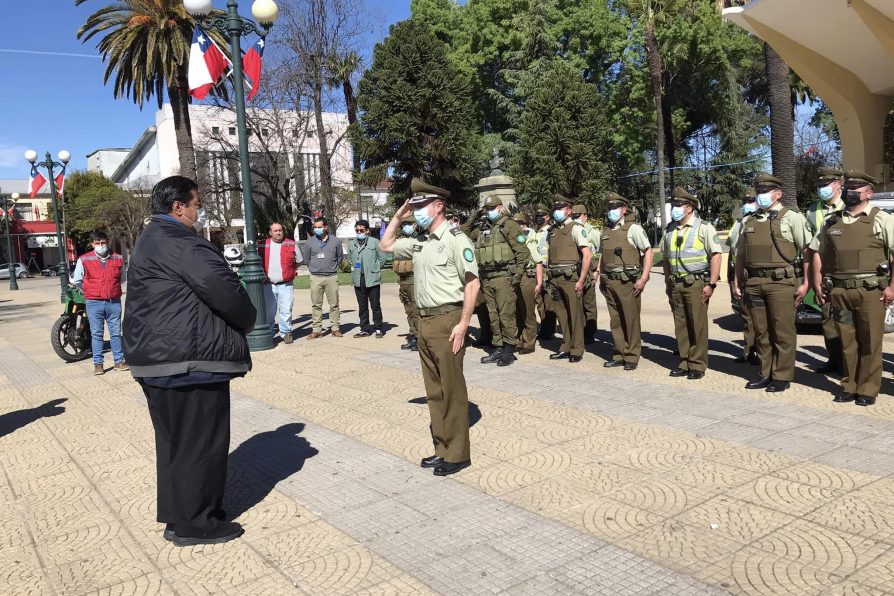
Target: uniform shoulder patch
468, 255
456, 231
716, 239
521, 238
583, 232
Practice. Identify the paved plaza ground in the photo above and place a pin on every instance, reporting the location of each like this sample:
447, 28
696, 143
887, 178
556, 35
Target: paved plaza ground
584, 480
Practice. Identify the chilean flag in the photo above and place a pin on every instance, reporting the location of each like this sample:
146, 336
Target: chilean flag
35, 182
60, 182
251, 67
206, 64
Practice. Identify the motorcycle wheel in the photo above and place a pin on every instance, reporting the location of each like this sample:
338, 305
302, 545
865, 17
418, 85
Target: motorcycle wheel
66, 344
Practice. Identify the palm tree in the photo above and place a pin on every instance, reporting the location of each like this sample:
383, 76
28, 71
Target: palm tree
340, 70
781, 124
146, 47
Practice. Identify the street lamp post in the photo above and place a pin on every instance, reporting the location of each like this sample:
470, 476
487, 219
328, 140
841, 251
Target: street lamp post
234, 27
49, 164
8, 202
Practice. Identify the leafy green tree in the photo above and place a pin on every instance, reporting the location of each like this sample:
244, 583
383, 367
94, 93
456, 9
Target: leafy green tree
93, 202
146, 47
564, 143
416, 114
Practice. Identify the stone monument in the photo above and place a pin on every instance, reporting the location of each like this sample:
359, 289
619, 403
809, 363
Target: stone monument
497, 183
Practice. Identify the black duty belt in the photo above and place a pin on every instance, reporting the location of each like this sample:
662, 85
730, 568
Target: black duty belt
440, 310
493, 273
775, 273
690, 278
626, 275
869, 283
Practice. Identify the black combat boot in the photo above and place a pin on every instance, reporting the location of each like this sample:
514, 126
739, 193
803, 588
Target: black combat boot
410, 344
493, 357
507, 356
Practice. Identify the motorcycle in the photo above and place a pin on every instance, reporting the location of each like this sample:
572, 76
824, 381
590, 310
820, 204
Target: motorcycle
70, 336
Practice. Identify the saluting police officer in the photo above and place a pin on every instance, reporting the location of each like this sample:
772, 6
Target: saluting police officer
772, 241
501, 253
594, 235
692, 257
407, 293
829, 191
747, 208
526, 310
568, 267
624, 270
852, 269
446, 280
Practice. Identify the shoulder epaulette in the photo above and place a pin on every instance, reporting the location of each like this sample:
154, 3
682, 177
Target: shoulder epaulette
457, 232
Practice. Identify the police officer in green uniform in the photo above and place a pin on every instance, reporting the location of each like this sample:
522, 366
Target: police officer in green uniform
624, 270
545, 309
525, 309
747, 208
446, 281
407, 294
852, 267
568, 268
771, 242
501, 251
579, 214
692, 257
829, 191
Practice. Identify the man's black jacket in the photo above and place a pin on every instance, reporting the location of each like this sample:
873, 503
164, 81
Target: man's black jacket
185, 310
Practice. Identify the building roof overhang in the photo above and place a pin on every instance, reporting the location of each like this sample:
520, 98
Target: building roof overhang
146, 138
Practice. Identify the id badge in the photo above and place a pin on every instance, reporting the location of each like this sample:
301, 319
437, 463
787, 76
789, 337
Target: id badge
356, 265
321, 255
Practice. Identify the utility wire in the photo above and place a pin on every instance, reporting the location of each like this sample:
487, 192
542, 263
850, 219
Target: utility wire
35, 52
711, 167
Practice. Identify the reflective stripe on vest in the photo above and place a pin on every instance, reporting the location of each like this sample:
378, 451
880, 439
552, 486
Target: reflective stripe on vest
102, 282
691, 257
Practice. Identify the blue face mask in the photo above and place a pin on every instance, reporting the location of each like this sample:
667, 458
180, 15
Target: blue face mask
423, 219
826, 192
765, 200
747, 209
407, 229
361, 237
318, 232
614, 215
678, 213
559, 215
493, 214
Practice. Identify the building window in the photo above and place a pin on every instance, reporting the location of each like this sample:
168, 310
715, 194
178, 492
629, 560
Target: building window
265, 132
232, 131
215, 130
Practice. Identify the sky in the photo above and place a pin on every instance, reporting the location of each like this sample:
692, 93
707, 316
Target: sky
54, 97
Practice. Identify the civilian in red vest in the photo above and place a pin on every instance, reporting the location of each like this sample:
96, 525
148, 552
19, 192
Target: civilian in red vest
281, 260
99, 274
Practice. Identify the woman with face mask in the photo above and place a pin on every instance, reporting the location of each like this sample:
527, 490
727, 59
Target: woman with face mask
772, 241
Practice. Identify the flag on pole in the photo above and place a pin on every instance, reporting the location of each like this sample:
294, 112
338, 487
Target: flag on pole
206, 64
60, 181
251, 67
36, 182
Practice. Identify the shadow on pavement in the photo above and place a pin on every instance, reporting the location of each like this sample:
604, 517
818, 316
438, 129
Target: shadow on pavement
260, 463
13, 421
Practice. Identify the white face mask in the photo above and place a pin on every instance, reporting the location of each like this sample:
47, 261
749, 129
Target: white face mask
765, 200
201, 219
101, 250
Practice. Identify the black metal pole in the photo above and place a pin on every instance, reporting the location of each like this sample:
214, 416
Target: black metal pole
63, 264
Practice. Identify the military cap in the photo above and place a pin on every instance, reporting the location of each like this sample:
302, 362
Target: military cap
680, 194
857, 179
748, 195
408, 218
765, 182
521, 218
492, 201
579, 210
828, 174
541, 210
560, 200
423, 192
614, 197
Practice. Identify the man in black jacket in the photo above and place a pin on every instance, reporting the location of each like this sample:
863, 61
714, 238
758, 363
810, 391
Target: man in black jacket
186, 316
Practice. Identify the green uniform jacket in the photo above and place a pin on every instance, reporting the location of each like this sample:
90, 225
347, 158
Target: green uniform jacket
371, 259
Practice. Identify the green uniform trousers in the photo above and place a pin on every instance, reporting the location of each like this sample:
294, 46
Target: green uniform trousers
321, 285
860, 320
526, 313
690, 324
499, 295
590, 310
830, 336
546, 313
747, 328
624, 313
445, 386
407, 295
570, 314
485, 335
772, 304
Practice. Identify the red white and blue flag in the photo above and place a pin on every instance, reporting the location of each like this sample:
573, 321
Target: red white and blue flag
207, 64
251, 67
60, 182
35, 182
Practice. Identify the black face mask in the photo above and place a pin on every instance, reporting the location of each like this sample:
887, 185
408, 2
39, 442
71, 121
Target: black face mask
852, 197
539, 220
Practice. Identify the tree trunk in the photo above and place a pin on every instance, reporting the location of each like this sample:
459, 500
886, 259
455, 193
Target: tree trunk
669, 142
654, 59
781, 126
351, 105
179, 95
325, 160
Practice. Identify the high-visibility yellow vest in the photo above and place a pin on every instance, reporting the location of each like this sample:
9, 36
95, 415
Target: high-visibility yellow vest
687, 254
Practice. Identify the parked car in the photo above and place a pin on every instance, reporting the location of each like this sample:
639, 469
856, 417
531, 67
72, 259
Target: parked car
21, 270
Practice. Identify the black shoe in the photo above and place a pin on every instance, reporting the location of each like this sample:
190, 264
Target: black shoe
526, 350
777, 386
410, 344
220, 533
864, 400
574, 358
507, 356
363, 333
493, 357
630, 365
760, 383
678, 372
694, 375
613, 363
169, 532
447, 468
559, 356
432, 462
843, 398
379, 334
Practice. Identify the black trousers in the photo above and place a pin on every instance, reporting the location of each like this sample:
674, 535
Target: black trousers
192, 441
368, 297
